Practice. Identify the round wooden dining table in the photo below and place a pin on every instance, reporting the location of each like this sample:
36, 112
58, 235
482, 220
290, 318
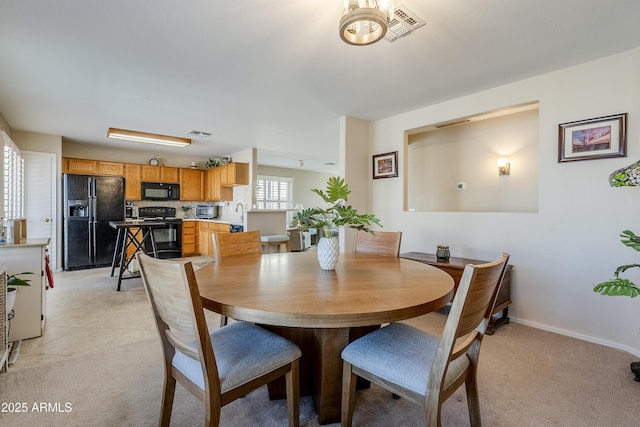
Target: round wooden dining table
322, 311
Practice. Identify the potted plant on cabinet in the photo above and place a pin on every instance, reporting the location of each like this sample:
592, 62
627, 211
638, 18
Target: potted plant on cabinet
619, 286
13, 281
330, 219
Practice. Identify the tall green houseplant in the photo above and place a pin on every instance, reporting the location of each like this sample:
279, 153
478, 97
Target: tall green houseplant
619, 286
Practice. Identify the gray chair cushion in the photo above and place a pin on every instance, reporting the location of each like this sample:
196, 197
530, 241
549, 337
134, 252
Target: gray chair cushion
243, 352
400, 354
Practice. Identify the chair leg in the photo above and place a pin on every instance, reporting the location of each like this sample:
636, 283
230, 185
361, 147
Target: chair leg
348, 394
292, 379
168, 393
224, 320
473, 401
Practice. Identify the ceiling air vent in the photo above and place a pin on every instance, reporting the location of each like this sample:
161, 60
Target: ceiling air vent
403, 22
199, 133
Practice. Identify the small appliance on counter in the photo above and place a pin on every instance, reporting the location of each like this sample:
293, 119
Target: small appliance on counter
130, 211
205, 212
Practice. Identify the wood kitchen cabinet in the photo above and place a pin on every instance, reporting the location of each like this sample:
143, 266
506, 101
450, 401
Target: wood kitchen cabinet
191, 184
132, 181
234, 174
91, 167
110, 168
205, 229
82, 166
169, 174
213, 191
189, 238
150, 173
165, 174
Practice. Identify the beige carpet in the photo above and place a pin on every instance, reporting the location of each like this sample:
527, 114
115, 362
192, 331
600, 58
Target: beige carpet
99, 364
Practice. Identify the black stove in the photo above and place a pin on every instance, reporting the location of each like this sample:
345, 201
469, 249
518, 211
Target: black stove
168, 239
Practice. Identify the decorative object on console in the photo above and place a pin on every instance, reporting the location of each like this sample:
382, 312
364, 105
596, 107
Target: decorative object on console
626, 177
599, 138
442, 253
385, 165
330, 219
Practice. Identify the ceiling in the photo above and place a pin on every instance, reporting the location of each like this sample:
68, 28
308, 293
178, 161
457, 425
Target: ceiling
273, 75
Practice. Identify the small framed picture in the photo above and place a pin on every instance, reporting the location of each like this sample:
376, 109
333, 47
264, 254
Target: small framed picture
598, 138
385, 165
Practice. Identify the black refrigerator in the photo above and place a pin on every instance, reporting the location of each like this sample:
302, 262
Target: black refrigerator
90, 202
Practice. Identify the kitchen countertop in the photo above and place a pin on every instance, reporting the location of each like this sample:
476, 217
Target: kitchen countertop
44, 241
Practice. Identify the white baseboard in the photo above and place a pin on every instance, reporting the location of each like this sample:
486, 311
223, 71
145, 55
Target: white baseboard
583, 337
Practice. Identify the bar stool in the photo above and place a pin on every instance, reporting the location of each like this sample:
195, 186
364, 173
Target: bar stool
276, 240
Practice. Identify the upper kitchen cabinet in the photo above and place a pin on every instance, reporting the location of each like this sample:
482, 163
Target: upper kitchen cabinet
110, 168
169, 174
166, 174
234, 174
91, 167
132, 181
191, 184
213, 191
81, 166
150, 173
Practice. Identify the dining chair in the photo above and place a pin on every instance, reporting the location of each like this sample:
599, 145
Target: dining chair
422, 368
216, 367
226, 245
378, 243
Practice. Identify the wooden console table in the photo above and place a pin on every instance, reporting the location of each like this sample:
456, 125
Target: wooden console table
455, 266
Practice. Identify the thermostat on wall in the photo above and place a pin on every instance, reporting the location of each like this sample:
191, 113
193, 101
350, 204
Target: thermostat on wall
461, 186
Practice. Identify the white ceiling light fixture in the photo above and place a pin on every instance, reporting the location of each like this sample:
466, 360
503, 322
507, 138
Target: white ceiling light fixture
149, 138
365, 22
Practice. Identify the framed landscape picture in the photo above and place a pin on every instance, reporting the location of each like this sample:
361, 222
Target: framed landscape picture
598, 138
385, 165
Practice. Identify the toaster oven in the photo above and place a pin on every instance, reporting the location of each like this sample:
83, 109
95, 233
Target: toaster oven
206, 212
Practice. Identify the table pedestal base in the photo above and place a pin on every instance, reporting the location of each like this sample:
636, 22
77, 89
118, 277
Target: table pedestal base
320, 366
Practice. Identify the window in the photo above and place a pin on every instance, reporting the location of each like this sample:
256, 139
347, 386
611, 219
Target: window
12, 180
275, 192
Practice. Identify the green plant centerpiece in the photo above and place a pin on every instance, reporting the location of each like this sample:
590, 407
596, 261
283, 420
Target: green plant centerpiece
619, 286
330, 219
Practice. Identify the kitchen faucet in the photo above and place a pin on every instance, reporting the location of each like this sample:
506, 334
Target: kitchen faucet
241, 212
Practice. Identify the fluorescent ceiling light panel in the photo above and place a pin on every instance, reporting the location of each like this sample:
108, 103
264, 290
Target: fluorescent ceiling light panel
150, 138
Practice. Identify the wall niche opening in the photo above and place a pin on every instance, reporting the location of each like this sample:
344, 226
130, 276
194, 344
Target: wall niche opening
452, 166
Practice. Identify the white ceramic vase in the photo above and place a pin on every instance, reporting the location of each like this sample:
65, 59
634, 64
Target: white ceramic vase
328, 252
11, 298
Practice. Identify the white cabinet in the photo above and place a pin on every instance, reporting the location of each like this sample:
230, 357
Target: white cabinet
30, 306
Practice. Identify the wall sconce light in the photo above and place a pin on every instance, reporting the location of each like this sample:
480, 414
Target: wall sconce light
503, 165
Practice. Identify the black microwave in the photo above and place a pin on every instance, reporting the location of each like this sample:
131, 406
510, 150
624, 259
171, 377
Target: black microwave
160, 191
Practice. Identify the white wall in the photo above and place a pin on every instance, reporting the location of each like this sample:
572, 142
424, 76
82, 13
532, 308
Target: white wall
440, 159
572, 243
